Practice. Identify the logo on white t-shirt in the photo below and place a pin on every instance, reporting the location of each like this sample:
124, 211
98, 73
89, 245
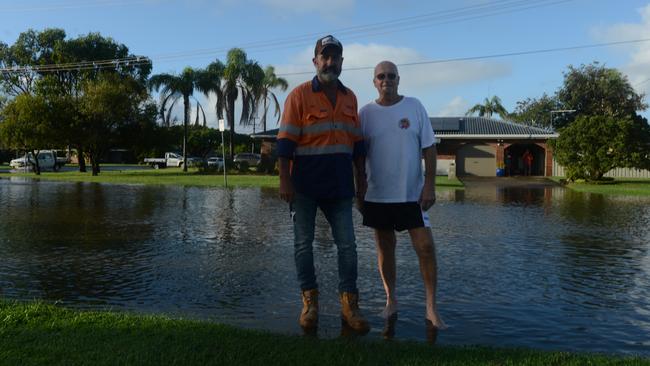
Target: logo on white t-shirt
404, 123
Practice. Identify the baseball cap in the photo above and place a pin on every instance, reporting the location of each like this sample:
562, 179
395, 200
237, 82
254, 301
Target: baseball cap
327, 41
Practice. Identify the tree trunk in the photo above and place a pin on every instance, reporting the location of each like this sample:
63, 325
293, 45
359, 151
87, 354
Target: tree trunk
37, 167
93, 163
231, 123
186, 120
81, 159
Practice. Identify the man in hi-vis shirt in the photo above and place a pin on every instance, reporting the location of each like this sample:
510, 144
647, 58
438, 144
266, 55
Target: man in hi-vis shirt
318, 144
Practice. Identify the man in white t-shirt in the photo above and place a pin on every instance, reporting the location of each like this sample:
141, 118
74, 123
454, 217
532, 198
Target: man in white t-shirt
397, 133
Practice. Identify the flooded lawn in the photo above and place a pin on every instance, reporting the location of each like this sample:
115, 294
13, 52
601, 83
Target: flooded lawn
530, 265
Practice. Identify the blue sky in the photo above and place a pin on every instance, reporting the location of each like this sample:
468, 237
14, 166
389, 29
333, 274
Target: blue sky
193, 33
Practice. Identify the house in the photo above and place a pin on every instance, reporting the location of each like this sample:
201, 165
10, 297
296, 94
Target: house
479, 145
476, 145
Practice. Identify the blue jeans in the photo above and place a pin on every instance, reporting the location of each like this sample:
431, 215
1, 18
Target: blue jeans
339, 215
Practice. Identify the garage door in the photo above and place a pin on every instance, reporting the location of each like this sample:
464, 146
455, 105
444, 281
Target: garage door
477, 160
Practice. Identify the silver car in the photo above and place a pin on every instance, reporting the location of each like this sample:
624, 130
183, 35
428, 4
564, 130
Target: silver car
250, 158
216, 162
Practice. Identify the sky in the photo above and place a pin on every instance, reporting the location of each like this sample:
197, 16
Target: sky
489, 35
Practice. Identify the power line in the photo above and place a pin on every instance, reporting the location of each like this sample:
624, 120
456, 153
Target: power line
473, 12
499, 55
144, 60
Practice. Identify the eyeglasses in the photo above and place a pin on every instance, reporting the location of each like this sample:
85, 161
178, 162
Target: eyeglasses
390, 76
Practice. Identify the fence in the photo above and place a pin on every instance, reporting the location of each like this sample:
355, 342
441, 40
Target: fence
558, 171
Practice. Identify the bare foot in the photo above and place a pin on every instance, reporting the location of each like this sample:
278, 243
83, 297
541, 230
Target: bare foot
389, 310
436, 320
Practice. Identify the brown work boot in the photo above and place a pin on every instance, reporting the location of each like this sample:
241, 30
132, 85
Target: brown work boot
309, 314
351, 315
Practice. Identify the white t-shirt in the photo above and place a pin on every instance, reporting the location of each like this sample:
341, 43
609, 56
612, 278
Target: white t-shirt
394, 137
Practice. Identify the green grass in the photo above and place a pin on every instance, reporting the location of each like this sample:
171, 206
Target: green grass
175, 176
40, 334
619, 186
169, 176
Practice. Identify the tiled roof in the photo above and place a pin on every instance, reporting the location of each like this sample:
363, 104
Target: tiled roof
467, 127
451, 126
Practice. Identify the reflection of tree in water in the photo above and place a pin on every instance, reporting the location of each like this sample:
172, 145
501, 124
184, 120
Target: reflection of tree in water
76, 242
605, 245
598, 210
244, 242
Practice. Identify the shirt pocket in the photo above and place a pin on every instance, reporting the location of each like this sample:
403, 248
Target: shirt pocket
350, 114
315, 115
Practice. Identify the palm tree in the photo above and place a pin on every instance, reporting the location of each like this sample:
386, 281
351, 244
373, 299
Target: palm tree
489, 107
175, 87
244, 76
270, 82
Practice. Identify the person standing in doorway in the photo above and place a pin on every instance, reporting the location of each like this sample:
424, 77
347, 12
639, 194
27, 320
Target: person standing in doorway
318, 144
528, 162
397, 133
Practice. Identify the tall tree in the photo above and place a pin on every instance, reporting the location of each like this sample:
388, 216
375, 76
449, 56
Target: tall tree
174, 87
242, 77
593, 145
488, 108
28, 126
31, 50
596, 90
40, 63
605, 132
270, 82
108, 104
535, 111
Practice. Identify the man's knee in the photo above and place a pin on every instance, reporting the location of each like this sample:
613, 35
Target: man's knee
423, 242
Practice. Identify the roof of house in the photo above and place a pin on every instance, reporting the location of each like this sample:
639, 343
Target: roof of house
482, 127
470, 128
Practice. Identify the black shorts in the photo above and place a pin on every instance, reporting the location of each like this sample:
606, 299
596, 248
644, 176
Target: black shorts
394, 216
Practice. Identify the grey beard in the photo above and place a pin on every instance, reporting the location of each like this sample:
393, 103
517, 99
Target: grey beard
328, 77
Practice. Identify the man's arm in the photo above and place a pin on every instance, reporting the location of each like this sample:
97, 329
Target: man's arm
361, 184
428, 195
286, 187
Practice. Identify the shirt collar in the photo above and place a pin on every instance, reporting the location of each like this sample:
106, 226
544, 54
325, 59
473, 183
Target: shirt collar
316, 85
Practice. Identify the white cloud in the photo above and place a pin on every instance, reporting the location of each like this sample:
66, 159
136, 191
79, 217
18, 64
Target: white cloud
417, 80
456, 107
638, 67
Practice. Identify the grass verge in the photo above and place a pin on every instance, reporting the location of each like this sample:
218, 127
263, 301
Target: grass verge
619, 186
40, 334
175, 176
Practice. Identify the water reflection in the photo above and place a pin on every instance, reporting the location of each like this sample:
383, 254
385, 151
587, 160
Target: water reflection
520, 264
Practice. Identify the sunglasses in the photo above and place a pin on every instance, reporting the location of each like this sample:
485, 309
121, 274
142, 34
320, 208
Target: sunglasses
390, 76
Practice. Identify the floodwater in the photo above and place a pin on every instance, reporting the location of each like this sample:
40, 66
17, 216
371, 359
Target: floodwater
532, 265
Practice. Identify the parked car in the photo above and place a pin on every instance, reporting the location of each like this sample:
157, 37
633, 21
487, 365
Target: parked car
215, 162
47, 160
194, 161
249, 158
170, 159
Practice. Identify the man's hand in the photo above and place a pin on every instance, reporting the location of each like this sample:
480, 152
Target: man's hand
286, 189
427, 197
361, 188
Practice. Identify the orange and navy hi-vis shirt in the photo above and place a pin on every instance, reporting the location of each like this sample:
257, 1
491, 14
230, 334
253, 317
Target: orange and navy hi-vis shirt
321, 139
